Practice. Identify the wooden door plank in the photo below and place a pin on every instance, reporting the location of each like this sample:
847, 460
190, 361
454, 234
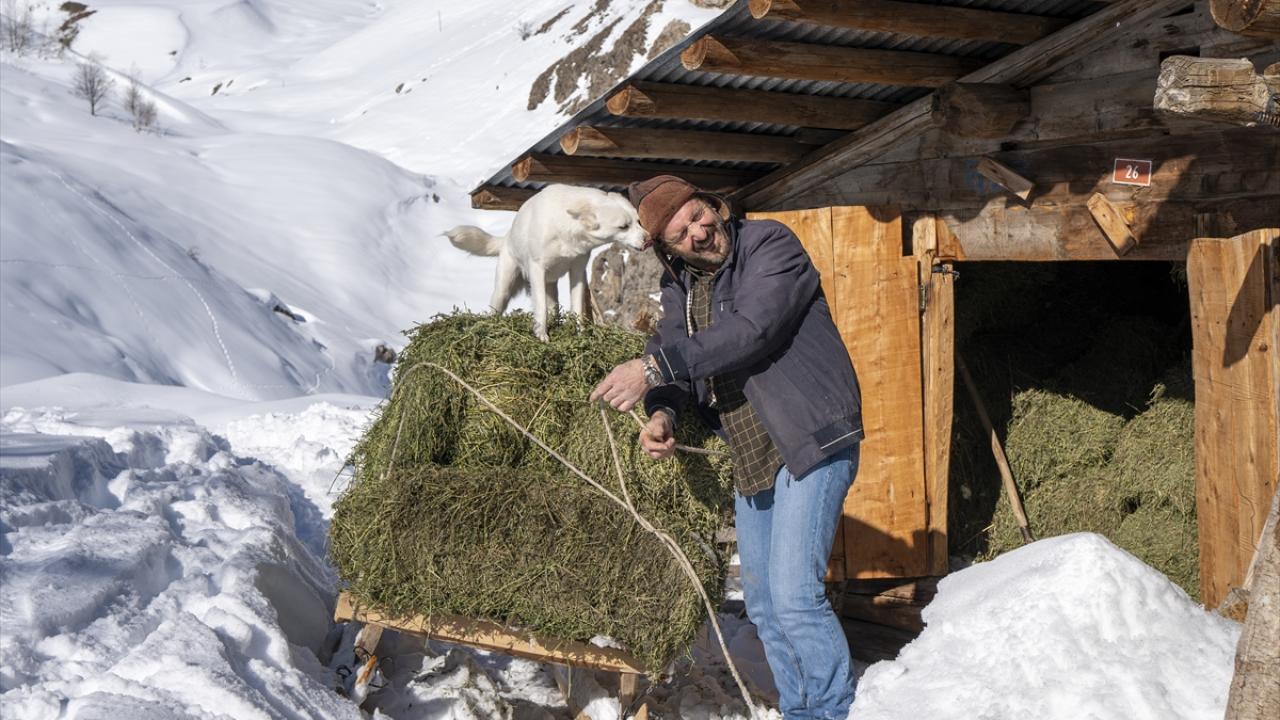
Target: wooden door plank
1237, 403
885, 512
938, 363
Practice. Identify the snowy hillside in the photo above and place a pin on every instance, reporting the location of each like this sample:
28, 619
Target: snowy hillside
190, 319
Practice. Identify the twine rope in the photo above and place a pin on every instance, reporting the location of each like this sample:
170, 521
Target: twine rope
681, 559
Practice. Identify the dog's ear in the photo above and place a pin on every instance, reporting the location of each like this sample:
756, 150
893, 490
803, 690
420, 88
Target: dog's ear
585, 214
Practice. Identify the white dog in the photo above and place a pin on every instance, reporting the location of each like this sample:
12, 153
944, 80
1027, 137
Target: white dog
554, 233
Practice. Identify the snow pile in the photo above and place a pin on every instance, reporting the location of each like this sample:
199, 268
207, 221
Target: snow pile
158, 575
1066, 628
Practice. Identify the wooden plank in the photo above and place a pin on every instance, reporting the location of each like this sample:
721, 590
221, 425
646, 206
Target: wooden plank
610, 173
911, 19
1021, 68
492, 636
828, 63
497, 197
1237, 403
1005, 177
697, 102
872, 642
813, 227
886, 515
1112, 223
883, 610
663, 143
938, 363
1258, 18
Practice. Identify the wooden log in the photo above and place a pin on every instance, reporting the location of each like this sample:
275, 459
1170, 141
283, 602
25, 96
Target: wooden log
980, 110
498, 197
1021, 68
1255, 685
1005, 177
658, 143
696, 102
1235, 325
1259, 18
607, 172
911, 19
807, 61
492, 636
1214, 89
1113, 225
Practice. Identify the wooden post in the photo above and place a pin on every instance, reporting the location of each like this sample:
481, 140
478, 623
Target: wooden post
807, 61
1259, 18
1235, 329
937, 347
1255, 687
1219, 90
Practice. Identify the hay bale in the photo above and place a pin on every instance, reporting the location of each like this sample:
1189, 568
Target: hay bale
465, 516
1053, 437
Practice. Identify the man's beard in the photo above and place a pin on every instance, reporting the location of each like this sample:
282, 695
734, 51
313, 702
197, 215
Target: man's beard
715, 249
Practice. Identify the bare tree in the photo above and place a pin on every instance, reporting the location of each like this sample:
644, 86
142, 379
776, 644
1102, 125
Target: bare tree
91, 83
141, 108
17, 27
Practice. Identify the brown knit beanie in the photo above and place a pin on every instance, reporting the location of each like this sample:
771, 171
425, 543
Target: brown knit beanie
659, 198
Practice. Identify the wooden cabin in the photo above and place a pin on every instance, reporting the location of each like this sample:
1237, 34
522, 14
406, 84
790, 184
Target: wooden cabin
897, 138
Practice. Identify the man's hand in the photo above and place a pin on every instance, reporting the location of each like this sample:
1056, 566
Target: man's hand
658, 436
623, 387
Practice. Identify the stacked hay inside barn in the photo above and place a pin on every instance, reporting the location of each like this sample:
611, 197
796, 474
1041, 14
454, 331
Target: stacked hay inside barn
454, 512
1086, 371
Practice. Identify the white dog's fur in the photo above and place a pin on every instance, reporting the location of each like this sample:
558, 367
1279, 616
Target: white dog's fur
554, 233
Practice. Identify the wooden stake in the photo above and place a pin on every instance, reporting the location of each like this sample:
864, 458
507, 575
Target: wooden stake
1005, 177
1006, 474
1110, 219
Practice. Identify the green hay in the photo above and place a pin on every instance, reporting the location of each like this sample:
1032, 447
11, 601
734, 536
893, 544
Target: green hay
1055, 437
473, 519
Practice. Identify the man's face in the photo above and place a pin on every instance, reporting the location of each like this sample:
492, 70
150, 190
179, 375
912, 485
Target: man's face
697, 235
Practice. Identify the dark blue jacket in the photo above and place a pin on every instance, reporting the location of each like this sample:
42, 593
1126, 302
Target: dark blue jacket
770, 320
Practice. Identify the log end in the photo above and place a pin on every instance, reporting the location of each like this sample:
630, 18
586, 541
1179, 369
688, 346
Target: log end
521, 168
694, 55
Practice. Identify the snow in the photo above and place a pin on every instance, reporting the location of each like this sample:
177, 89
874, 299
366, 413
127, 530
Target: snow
188, 324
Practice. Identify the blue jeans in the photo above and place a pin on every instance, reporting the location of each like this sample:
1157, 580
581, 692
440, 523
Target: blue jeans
784, 541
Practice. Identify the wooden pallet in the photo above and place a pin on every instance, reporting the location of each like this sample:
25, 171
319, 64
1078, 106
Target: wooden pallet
498, 638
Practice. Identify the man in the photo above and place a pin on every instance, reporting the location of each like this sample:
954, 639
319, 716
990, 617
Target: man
747, 330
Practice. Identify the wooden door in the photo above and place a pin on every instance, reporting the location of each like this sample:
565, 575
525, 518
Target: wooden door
872, 280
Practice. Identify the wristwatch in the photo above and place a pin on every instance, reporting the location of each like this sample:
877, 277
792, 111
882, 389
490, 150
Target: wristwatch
652, 375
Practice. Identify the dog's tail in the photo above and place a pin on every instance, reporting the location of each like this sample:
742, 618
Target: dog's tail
474, 240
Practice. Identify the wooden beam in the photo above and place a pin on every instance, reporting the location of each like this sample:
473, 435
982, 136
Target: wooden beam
1021, 68
1259, 18
497, 197
1005, 177
696, 102
607, 172
1218, 90
492, 636
937, 340
806, 61
658, 143
980, 110
1234, 318
911, 19
1112, 223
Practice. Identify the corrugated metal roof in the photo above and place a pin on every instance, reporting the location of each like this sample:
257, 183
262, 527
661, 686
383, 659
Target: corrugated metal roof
737, 22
